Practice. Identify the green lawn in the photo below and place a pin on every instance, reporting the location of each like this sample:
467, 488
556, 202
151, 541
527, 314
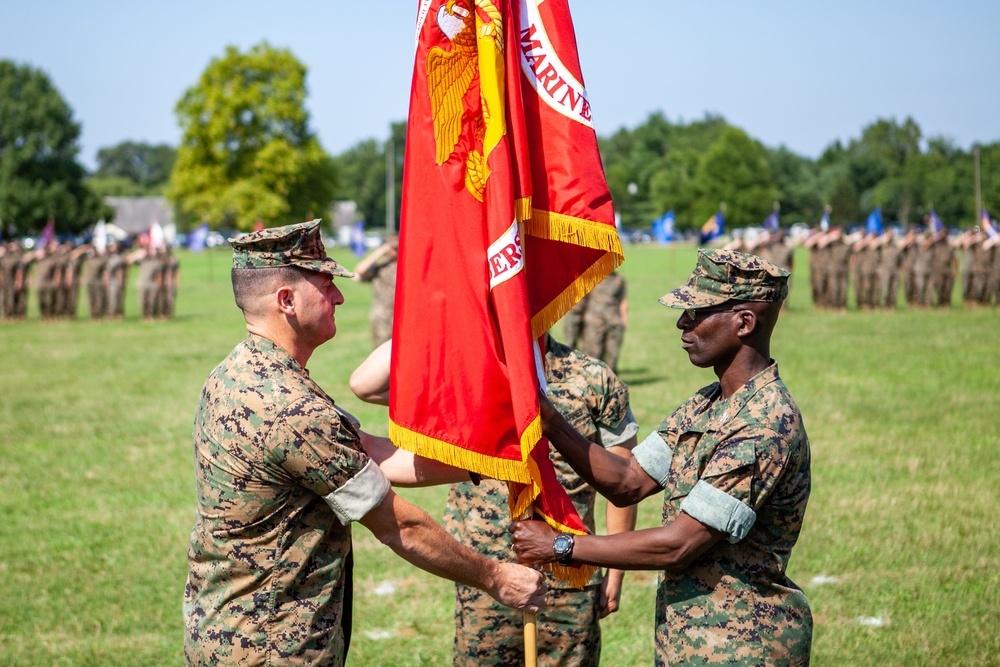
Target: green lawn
899, 555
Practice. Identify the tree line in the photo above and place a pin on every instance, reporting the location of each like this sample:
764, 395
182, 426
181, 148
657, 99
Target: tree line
248, 154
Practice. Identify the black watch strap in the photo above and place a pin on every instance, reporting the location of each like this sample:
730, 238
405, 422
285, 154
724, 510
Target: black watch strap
562, 547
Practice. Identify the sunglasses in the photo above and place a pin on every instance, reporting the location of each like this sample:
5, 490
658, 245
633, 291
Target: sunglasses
695, 313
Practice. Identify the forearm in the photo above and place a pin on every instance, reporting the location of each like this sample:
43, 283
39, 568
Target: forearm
619, 520
423, 542
405, 468
418, 539
618, 479
671, 548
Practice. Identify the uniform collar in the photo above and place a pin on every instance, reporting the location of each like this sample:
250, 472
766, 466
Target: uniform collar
714, 411
274, 351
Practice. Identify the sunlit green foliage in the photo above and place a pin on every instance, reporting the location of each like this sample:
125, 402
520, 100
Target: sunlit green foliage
247, 151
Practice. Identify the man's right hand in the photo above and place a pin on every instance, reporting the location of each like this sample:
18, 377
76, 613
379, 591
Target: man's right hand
518, 587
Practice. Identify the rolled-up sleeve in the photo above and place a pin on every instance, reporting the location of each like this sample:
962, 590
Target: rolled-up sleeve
363, 492
654, 456
717, 509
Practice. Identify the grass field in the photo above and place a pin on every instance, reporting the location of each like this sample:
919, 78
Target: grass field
900, 555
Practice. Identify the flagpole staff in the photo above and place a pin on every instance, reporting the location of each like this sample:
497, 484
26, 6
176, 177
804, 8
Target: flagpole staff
530, 617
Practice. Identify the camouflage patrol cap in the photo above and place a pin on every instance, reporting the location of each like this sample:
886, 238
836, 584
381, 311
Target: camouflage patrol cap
721, 275
291, 245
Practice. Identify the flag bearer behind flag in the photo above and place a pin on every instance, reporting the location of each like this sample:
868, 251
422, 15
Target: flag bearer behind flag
596, 402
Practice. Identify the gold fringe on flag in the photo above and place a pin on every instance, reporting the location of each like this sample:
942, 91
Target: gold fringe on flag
453, 455
584, 233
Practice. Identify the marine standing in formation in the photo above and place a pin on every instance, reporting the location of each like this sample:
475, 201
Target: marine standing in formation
379, 268
605, 318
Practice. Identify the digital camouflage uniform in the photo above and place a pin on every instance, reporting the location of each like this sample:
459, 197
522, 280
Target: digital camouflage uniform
942, 275
148, 283
818, 275
280, 474
981, 266
866, 275
603, 328
573, 323
167, 296
48, 276
116, 270
890, 257
9, 264
596, 403
839, 258
95, 279
921, 268
382, 276
739, 465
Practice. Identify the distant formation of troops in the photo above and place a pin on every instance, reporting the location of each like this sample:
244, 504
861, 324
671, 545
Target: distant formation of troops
924, 264
58, 271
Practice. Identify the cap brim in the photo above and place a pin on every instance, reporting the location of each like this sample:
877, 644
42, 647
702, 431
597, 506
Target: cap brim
327, 266
686, 297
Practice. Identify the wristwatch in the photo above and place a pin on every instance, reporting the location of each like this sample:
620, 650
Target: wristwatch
562, 547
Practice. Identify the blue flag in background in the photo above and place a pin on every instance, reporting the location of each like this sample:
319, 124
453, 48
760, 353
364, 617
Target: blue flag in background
874, 223
663, 228
934, 223
772, 222
358, 238
713, 228
196, 242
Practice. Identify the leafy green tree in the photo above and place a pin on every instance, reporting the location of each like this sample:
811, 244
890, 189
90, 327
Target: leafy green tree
798, 184
40, 177
146, 165
247, 152
361, 176
845, 203
735, 171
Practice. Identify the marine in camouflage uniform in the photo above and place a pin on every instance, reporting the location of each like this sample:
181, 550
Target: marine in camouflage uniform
734, 465
596, 402
170, 272
604, 320
866, 272
116, 275
890, 255
48, 277
921, 269
9, 263
817, 269
280, 475
838, 255
380, 270
573, 323
980, 269
95, 279
942, 273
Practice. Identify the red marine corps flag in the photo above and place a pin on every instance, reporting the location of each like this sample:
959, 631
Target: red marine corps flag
506, 223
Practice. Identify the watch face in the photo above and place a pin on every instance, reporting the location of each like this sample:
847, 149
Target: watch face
562, 545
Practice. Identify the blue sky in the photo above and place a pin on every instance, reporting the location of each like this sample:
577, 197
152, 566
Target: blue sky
795, 73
